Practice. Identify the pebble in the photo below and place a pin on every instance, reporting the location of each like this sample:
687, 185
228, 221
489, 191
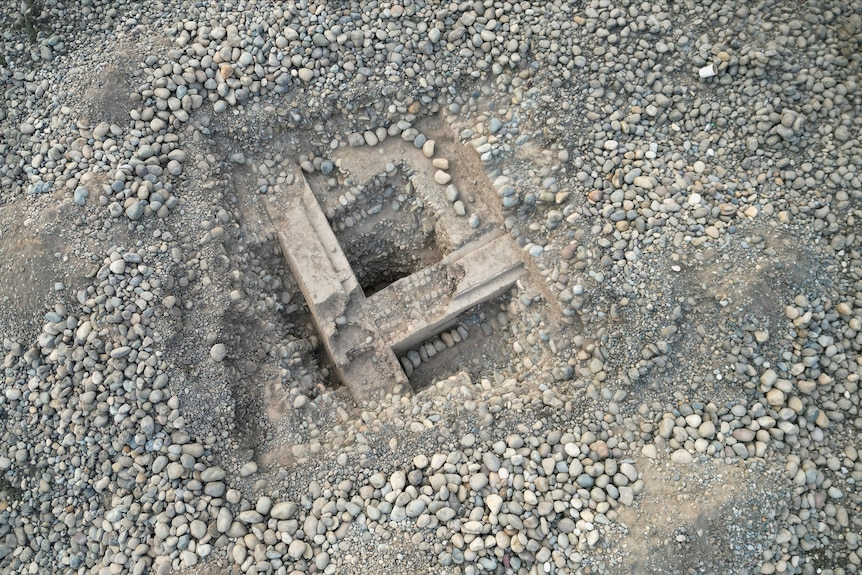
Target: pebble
681, 456
644, 182
80, 196
568, 252
440, 163
118, 267
442, 177
136, 210
218, 352
494, 503
706, 430
250, 517
283, 510
296, 549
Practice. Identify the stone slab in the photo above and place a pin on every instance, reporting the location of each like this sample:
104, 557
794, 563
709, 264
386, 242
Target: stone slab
419, 306
363, 360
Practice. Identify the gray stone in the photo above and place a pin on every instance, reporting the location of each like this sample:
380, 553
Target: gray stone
472, 527
118, 267
681, 456
415, 508
768, 378
213, 474
264, 505
146, 151
478, 481
218, 352
842, 133
398, 480
491, 461
189, 558
743, 434
39, 188
494, 503
706, 430
250, 517
174, 168
627, 495
80, 196
215, 489
248, 468
198, 529
399, 513
665, 427
442, 177
283, 510
136, 210
296, 549
224, 520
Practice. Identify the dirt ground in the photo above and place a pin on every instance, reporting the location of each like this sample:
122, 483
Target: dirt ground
40, 256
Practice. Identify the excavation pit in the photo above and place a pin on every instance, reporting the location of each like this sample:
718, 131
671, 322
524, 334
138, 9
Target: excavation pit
380, 259
475, 343
386, 233
387, 265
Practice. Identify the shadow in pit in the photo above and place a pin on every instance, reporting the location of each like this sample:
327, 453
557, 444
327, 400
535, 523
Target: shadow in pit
482, 354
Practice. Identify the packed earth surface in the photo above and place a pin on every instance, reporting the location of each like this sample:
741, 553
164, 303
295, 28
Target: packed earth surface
671, 387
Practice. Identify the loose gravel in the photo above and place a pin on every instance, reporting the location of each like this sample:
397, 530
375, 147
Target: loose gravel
682, 177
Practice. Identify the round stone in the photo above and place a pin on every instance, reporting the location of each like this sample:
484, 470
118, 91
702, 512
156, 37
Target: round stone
212, 474
118, 266
442, 177
283, 510
478, 481
415, 508
681, 456
398, 480
296, 549
218, 352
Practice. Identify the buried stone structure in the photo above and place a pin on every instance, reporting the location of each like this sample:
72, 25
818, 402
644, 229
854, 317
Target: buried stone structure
422, 283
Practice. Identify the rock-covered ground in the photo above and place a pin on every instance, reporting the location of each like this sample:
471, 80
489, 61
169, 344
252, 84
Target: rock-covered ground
680, 396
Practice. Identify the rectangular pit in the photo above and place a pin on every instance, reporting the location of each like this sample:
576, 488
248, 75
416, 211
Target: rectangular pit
387, 264
475, 342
